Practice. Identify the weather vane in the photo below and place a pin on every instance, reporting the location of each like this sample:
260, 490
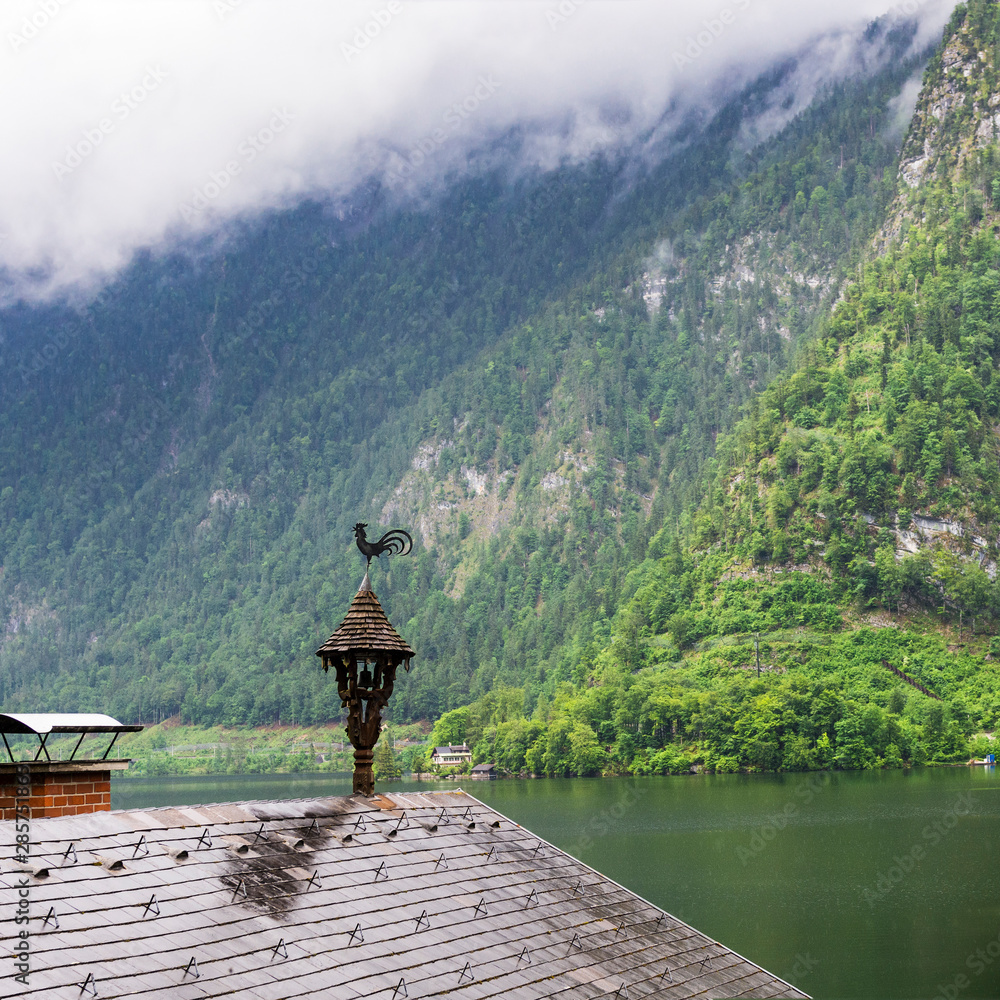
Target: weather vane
396, 542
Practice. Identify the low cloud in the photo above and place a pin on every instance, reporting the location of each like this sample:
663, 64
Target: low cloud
130, 124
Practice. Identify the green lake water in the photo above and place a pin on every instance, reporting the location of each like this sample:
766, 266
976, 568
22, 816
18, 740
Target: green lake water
875, 885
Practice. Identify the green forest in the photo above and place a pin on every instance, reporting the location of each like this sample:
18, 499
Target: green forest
701, 466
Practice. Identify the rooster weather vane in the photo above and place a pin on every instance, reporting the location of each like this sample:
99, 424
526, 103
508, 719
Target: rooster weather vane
396, 542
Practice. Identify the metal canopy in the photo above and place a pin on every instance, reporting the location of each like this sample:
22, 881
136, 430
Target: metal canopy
43, 724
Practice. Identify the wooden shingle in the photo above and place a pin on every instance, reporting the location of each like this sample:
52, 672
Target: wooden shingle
345, 897
366, 627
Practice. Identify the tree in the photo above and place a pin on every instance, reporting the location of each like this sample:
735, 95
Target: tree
384, 763
889, 575
586, 756
451, 728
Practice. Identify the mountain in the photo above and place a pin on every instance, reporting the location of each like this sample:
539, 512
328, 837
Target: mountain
832, 600
531, 372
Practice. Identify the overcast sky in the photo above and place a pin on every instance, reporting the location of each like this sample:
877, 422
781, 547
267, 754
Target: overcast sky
134, 122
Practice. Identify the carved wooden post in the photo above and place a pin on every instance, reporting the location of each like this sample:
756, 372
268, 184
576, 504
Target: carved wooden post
365, 651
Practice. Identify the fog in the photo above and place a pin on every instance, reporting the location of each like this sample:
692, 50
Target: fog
137, 124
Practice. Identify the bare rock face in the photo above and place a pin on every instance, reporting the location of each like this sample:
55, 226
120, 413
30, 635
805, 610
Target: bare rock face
958, 112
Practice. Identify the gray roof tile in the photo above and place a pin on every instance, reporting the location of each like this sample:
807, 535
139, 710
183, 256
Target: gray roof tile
276, 922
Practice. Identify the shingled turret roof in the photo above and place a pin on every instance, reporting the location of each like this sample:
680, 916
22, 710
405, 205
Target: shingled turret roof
366, 627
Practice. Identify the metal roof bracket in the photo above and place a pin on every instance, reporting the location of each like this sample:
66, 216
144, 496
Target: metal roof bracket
42, 748
114, 739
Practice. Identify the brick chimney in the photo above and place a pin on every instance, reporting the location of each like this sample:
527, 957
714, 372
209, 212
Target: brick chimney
35, 789
56, 788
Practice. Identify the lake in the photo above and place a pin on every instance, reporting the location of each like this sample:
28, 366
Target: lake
849, 884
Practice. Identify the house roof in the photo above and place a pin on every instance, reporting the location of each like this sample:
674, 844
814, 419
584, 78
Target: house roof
366, 628
453, 749
415, 895
484, 767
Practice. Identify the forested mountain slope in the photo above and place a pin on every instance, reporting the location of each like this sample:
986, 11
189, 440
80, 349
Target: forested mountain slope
832, 600
530, 373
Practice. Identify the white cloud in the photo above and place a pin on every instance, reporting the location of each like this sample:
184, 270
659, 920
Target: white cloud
120, 114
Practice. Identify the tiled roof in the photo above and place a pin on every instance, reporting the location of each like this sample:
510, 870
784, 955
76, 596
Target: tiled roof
365, 627
403, 895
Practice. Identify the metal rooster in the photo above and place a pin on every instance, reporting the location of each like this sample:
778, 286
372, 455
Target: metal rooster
396, 542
